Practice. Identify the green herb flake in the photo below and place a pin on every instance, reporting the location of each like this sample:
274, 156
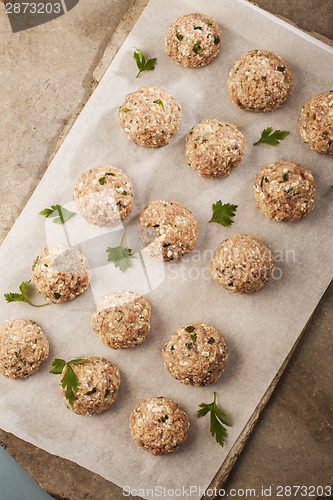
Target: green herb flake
120, 256
102, 181
272, 138
125, 110
35, 263
211, 340
193, 336
196, 47
141, 62
91, 392
179, 36
158, 101
59, 214
217, 40
281, 68
197, 27
285, 177
110, 173
57, 295
218, 420
222, 213
20, 297
190, 329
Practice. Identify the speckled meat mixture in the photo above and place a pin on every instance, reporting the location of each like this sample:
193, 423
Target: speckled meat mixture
316, 123
167, 230
259, 81
103, 195
99, 381
159, 425
150, 116
284, 191
193, 40
242, 264
214, 148
122, 320
195, 354
60, 273
23, 347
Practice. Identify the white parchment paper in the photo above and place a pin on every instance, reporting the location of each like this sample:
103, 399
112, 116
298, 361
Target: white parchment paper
259, 329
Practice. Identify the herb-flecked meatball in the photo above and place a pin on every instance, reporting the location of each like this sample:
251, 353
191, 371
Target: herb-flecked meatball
316, 123
167, 230
214, 148
159, 425
284, 191
260, 80
193, 40
122, 320
195, 354
242, 264
98, 384
150, 116
60, 273
23, 348
103, 195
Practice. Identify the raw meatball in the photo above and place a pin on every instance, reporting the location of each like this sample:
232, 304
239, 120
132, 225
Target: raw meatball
159, 425
193, 40
99, 382
150, 116
103, 195
214, 148
60, 273
316, 122
242, 264
167, 230
195, 354
23, 347
284, 191
122, 320
259, 81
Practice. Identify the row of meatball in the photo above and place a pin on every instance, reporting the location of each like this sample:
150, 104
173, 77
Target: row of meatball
150, 116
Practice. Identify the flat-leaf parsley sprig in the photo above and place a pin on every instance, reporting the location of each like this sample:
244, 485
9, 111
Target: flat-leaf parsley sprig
141, 62
69, 381
272, 138
222, 213
20, 297
218, 420
60, 214
120, 256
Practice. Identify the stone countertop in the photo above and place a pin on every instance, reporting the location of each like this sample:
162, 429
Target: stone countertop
48, 73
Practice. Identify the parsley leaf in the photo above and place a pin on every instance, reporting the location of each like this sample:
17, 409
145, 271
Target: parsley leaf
20, 297
196, 47
272, 138
120, 256
217, 420
222, 213
60, 214
141, 62
69, 381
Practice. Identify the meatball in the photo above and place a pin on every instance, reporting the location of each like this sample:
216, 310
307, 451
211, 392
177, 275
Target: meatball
214, 148
103, 195
159, 425
122, 320
193, 40
242, 264
284, 191
167, 230
60, 273
150, 116
98, 384
195, 354
23, 348
316, 123
259, 81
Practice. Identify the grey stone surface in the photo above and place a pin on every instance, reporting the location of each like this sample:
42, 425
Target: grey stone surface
47, 74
